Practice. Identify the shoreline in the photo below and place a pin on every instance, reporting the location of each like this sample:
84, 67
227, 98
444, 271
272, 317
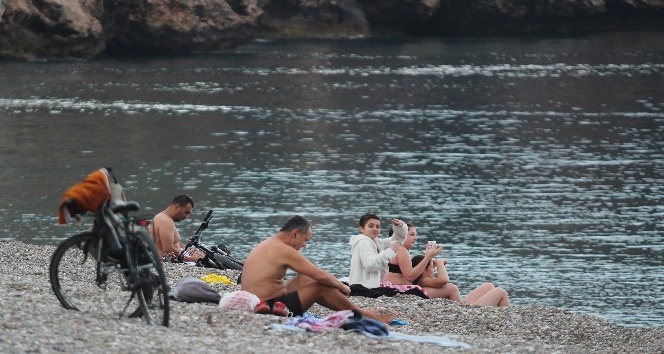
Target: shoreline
34, 321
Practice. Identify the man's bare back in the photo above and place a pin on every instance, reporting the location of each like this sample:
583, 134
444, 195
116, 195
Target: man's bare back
264, 271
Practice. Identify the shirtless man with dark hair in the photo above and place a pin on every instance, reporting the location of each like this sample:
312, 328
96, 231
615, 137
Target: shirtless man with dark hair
166, 235
266, 265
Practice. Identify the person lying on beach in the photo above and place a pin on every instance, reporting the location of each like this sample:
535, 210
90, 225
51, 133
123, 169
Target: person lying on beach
266, 265
370, 253
486, 294
166, 235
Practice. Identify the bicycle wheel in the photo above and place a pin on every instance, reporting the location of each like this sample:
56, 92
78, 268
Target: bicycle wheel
151, 287
82, 282
228, 262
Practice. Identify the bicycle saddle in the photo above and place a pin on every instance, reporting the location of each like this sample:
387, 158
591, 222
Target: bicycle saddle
126, 207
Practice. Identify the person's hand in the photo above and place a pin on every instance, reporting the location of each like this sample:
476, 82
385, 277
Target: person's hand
198, 254
432, 252
397, 222
394, 245
440, 262
345, 289
193, 255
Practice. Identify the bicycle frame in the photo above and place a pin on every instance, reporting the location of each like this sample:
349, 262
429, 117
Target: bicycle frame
209, 252
111, 243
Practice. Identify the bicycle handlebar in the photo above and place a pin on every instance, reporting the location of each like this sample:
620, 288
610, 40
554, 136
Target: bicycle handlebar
194, 240
204, 224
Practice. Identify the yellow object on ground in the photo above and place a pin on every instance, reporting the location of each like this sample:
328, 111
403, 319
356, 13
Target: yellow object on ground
217, 278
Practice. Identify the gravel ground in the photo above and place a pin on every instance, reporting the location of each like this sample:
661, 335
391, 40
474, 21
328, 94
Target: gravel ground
34, 321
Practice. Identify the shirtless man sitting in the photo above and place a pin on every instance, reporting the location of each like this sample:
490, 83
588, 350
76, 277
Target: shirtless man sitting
166, 235
266, 265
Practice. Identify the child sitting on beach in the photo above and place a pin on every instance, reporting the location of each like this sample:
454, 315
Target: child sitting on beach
370, 253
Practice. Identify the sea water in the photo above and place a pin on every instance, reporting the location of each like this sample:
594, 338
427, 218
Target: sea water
537, 162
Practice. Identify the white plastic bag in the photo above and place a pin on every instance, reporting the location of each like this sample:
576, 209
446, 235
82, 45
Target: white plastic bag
239, 300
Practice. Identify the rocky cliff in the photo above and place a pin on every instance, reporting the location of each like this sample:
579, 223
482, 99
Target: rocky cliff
88, 28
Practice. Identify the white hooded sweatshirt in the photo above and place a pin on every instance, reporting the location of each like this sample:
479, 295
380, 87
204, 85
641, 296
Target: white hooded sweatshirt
368, 263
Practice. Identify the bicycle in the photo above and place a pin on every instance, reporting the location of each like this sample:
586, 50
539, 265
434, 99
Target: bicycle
218, 257
120, 258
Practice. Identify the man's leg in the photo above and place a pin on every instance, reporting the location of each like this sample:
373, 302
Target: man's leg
333, 299
297, 282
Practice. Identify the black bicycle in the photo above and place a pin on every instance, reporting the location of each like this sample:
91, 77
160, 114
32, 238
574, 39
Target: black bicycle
93, 271
216, 256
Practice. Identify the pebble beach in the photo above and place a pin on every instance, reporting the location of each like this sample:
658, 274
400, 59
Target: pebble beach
33, 321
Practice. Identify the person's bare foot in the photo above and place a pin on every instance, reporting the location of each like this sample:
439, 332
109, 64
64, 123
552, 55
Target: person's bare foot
378, 315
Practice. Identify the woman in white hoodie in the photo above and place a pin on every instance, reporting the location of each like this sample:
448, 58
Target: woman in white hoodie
370, 253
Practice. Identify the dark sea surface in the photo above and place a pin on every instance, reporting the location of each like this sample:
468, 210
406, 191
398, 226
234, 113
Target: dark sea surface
537, 162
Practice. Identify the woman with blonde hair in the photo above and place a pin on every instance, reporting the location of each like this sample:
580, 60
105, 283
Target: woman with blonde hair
486, 294
431, 275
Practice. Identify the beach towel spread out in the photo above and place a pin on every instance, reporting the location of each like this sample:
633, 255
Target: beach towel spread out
354, 321
346, 319
437, 340
406, 289
361, 290
316, 324
84, 196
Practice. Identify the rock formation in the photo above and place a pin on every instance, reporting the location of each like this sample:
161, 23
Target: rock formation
178, 26
88, 28
51, 28
500, 17
312, 19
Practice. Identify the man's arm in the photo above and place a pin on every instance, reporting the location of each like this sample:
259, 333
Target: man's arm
299, 263
192, 255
